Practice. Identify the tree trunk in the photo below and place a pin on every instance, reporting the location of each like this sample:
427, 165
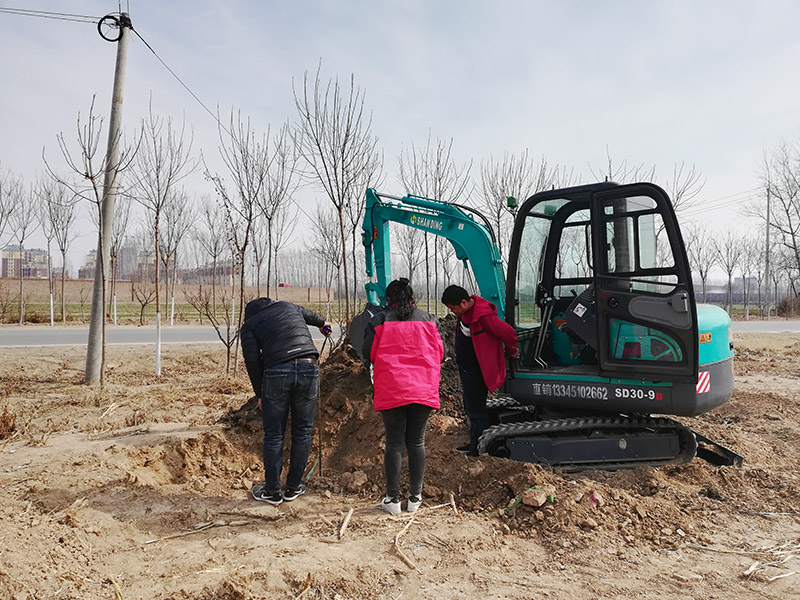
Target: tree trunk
348, 316
63, 277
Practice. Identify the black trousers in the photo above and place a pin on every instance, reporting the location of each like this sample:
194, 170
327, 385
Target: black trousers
405, 428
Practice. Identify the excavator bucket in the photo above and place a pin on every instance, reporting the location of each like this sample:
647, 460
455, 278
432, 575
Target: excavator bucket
359, 325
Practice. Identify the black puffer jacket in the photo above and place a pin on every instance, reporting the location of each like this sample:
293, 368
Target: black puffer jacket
275, 332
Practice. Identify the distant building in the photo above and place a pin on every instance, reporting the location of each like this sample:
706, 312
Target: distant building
87, 270
128, 262
34, 262
205, 274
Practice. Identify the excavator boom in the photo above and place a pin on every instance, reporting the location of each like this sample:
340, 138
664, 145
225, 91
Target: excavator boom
473, 241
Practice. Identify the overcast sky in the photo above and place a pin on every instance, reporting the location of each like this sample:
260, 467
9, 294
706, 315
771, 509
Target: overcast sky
712, 84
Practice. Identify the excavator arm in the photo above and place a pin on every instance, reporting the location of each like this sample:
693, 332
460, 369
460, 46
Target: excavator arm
473, 242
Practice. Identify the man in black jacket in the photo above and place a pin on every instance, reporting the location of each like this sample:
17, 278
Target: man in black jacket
281, 360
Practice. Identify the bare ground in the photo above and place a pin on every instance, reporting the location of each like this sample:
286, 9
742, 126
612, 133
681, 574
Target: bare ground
141, 490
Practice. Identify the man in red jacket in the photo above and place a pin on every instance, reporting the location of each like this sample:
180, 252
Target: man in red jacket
480, 337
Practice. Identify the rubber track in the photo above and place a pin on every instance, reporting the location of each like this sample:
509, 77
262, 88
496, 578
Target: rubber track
580, 426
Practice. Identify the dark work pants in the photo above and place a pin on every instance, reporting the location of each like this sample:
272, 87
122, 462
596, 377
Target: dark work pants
474, 394
405, 427
287, 387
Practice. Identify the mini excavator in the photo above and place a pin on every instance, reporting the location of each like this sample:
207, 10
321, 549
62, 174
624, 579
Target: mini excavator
612, 342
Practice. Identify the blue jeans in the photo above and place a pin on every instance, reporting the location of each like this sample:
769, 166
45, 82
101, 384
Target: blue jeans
474, 393
405, 428
287, 387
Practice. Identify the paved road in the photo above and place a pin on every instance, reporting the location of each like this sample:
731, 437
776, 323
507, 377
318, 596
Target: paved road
41, 335
771, 326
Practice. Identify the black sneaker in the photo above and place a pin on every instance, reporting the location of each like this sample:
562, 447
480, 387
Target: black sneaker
463, 448
262, 495
292, 493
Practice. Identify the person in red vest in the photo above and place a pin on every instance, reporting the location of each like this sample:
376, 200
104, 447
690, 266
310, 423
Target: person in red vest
404, 345
480, 338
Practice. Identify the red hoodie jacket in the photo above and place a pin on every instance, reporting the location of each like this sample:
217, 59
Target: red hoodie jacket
406, 356
489, 334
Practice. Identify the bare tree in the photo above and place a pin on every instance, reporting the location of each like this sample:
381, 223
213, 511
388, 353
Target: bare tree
247, 159
143, 286
781, 177
213, 238
102, 195
729, 255
261, 249
334, 138
326, 245
748, 264
284, 223
684, 186
8, 184
621, 172
224, 325
22, 224
119, 231
409, 245
432, 172
702, 253
178, 218
61, 209
44, 190
163, 161
277, 192
516, 176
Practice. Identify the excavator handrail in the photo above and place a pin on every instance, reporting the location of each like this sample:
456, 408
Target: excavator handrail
474, 242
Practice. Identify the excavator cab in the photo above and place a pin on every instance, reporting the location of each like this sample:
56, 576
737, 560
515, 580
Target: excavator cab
599, 287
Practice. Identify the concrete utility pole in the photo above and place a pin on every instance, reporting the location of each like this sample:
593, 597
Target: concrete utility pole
766, 254
95, 350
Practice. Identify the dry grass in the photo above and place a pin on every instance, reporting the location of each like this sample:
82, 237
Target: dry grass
8, 423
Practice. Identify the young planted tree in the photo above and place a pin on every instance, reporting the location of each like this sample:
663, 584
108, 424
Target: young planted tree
334, 139
432, 172
280, 185
43, 191
89, 171
143, 287
516, 176
729, 255
781, 176
119, 231
247, 158
22, 224
410, 247
61, 208
326, 245
8, 184
284, 223
177, 221
163, 161
212, 236
702, 253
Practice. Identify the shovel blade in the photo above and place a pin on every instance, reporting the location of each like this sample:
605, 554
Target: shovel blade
359, 325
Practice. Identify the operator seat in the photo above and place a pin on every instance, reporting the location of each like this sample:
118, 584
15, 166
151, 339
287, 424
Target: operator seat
581, 324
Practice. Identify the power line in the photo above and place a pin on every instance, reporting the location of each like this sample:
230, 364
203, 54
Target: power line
199, 101
179, 80
25, 12
730, 200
